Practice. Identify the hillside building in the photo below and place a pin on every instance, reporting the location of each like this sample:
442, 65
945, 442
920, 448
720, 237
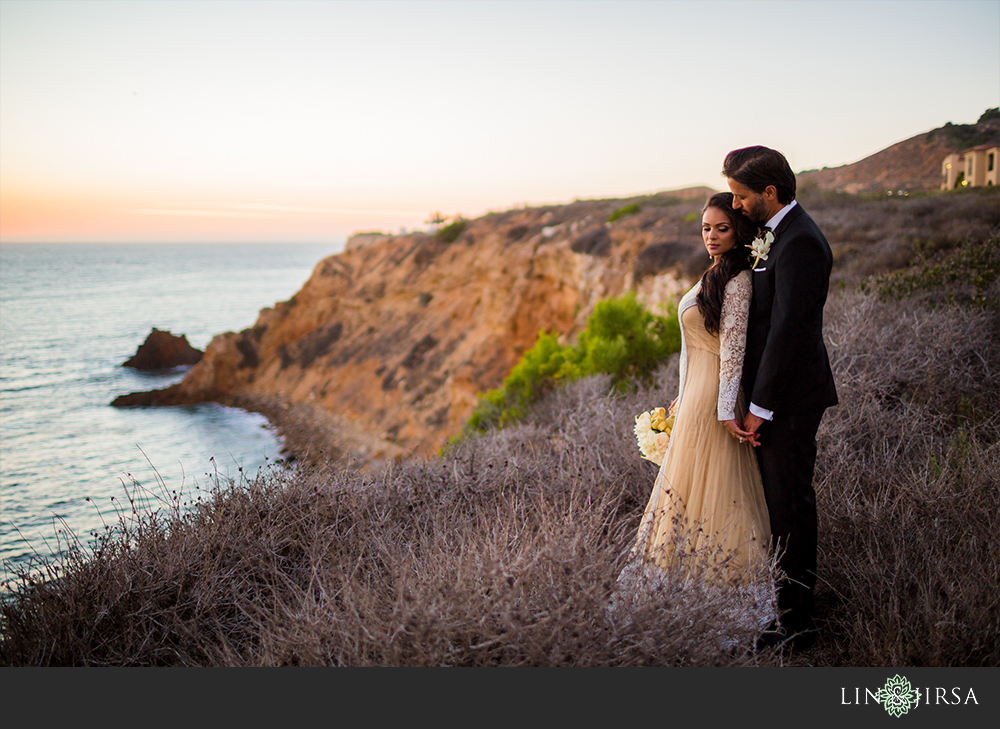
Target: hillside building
975, 167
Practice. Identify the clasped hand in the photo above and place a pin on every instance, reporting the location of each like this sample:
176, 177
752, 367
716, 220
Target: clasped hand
747, 431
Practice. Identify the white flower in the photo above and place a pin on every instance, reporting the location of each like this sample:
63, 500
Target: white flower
761, 246
658, 447
643, 429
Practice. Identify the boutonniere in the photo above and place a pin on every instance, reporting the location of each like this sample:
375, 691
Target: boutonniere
761, 246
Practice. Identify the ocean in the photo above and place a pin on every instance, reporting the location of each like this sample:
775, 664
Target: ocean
70, 315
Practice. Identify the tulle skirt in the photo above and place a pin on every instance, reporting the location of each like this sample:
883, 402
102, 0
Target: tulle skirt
707, 501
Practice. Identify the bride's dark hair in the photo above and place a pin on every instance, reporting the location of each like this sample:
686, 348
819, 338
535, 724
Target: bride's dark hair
730, 263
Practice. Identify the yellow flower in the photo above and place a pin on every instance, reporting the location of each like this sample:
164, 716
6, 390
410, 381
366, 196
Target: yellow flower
658, 419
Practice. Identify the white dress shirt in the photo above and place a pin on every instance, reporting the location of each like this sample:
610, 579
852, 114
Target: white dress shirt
773, 221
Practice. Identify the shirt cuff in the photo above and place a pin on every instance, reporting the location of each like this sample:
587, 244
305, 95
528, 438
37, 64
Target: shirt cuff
761, 412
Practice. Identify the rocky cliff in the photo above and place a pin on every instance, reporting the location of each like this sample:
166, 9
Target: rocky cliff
388, 345
384, 351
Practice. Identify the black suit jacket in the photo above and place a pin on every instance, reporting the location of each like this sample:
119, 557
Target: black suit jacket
786, 368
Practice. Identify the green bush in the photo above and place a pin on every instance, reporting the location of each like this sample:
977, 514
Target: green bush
961, 274
624, 210
450, 232
622, 339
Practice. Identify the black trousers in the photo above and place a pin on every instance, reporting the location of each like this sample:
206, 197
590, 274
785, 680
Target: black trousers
787, 459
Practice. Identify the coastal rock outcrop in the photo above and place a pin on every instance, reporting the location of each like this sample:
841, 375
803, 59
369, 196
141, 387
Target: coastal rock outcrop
392, 342
163, 350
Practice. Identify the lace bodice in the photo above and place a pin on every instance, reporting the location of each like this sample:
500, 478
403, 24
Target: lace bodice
732, 340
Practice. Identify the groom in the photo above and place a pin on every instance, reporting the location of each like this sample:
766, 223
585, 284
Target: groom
786, 372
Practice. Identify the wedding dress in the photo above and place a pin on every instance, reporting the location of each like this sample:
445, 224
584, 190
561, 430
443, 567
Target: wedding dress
708, 492
706, 515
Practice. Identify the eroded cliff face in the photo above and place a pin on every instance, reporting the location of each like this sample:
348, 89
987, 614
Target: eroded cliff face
395, 339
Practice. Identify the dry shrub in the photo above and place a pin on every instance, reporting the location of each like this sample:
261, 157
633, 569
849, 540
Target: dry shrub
907, 487
507, 551
872, 234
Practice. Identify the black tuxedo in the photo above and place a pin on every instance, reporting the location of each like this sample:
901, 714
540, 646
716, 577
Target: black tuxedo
786, 370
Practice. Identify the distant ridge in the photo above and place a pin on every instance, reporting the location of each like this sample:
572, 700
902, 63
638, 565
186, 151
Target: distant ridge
700, 194
911, 165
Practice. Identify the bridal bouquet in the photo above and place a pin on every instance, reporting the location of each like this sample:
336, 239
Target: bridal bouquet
652, 431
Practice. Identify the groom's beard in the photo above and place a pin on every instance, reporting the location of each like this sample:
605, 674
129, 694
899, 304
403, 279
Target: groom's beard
758, 211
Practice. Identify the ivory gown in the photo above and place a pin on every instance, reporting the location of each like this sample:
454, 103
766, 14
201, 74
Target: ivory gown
707, 477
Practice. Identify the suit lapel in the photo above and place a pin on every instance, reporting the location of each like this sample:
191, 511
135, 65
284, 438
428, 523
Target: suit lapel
791, 215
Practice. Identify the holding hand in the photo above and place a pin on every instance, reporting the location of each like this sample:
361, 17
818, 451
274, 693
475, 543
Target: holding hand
742, 434
750, 425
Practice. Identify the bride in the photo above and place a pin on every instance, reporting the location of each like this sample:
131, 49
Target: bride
707, 505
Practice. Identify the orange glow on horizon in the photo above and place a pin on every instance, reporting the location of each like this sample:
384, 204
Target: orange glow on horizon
307, 121
28, 216
36, 216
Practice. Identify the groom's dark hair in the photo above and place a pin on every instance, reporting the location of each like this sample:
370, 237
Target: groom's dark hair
758, 167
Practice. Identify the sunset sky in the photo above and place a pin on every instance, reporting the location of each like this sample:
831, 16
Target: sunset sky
247, 120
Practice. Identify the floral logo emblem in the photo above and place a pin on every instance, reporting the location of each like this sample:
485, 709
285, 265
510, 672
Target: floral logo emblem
897, 696
761, 246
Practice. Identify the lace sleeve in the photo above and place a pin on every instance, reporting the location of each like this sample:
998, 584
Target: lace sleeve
732, 342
